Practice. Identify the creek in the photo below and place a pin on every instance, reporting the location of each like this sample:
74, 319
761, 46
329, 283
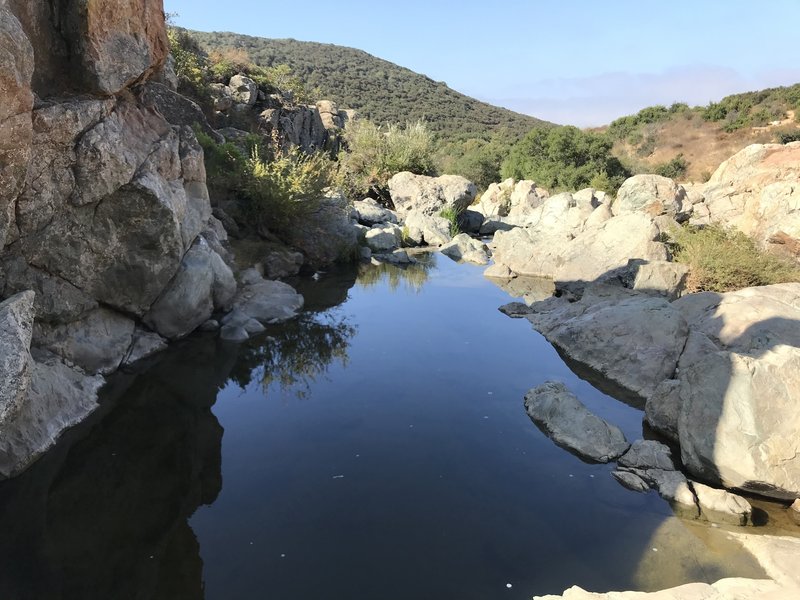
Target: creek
376, 447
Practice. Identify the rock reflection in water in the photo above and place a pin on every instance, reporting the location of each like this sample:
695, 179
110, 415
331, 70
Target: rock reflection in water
294, 354
414, 275
105, 515
530, 289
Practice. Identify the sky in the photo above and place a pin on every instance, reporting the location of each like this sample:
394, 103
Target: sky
578, 62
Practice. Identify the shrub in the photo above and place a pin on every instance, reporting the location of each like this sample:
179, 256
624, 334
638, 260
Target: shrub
225, 164
273, 187
284, 187
564, 158
787, 136
722, 260
191, 63
374, 154
674, 169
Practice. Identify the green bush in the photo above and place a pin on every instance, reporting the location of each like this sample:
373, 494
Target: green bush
787, 136
476, 159
373, 154
191, 63
722, 260
564, 158
674, 169
272, 187
284, 187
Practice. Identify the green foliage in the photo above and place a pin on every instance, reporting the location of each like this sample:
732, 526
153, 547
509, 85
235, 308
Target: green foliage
787, 136
379, 90
674, 169
626, 127
284, 187
722, 260
225, 164
565, 158
191, 63
476, 159
452, 217
753, 109
374, 154
273, 187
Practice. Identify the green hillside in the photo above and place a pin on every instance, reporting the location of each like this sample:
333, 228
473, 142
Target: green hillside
379, 90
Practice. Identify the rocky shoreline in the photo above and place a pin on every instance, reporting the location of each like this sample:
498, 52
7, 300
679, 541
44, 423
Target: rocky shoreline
111, 248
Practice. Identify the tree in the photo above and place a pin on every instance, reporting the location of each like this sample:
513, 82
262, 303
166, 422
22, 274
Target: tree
564, 158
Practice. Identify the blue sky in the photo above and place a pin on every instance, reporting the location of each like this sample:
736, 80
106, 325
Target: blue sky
571, 61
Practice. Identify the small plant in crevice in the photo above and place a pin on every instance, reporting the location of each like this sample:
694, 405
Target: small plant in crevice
451, 215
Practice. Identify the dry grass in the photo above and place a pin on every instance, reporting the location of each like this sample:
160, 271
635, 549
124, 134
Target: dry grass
723, 260
703, 144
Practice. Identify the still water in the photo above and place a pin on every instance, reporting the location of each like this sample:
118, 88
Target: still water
375, 448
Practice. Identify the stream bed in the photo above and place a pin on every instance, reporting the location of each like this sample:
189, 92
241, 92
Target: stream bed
377, 447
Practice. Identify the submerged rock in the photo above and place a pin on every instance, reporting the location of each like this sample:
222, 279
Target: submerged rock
569, 423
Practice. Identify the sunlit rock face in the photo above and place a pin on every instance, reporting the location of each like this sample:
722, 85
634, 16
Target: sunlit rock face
101, 202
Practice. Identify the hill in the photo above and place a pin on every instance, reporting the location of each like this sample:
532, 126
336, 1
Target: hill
379, 90
706, 136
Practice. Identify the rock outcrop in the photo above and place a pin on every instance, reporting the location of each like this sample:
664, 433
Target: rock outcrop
757, 191
107, 240
431, 195
739, 378
577, 240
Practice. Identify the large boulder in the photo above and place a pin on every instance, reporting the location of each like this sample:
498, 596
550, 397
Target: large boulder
58, 397
202, 284
757, 191
138, 200
652, 195
633, 340
325, 234
16, 326
16, 103
431, 195
57, 300
93, 46
243, 90
510, 198
739, 389
467, 249
423, 229
266, 301
565, 419
563, 247
383, 238
368, 212
97, 343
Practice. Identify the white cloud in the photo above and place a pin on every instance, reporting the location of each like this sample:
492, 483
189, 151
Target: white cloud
599, 99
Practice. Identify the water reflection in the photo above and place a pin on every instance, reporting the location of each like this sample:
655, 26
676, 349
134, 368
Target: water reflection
413, 276
295, 354
105, 515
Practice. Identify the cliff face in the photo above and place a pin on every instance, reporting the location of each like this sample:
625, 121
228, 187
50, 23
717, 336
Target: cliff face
104, 210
